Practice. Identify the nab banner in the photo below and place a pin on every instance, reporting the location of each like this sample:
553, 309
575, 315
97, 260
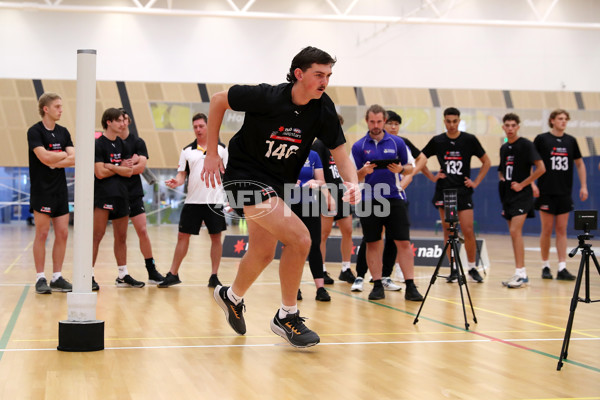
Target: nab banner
427, 251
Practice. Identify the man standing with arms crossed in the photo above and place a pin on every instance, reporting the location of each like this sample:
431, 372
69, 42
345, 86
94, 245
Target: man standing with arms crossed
50, 152
454, 150
136, 147
267, 153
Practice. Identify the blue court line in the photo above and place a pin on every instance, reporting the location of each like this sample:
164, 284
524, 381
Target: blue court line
565, 361
13, 320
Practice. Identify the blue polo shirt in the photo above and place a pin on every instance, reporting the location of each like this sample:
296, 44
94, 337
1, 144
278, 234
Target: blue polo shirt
367, 149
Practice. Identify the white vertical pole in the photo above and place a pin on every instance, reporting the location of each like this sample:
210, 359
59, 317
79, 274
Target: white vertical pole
82, 301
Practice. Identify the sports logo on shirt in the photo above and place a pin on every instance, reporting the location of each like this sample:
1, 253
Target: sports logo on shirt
115, 158
55, 147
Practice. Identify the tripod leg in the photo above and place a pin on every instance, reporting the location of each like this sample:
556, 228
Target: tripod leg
574, 300
432, 281
462, 280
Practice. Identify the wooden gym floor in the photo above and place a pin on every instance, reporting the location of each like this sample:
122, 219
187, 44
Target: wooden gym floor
175, 343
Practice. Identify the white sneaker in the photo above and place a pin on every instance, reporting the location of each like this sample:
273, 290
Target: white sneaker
388, 284
516, 281
357, 286
398, 275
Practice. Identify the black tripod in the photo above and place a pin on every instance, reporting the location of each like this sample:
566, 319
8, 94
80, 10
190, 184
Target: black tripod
455, 263
584, 267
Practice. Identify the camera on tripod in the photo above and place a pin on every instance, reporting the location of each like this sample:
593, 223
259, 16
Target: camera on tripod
450, 206
586, 220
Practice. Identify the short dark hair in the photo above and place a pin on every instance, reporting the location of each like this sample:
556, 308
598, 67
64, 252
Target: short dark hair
451, 111
110, 114
126, 113
307, 57
555, 114
511, 117
376, 109
393, 116
198, 116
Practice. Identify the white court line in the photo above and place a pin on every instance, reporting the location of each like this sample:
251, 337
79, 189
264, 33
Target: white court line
210, 346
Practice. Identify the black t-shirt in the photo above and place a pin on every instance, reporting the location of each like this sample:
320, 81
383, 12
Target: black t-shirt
46, 180
135, 145
275, 138
113, 152
330, 170
454, 156
516, 160
558, 154
414, 150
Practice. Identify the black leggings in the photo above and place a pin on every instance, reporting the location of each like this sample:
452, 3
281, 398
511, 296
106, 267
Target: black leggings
315, 258
389, 258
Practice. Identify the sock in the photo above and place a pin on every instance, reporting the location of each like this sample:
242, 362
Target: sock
39, 276
562, 265
56, 275
521, 272
150, 265
345, 265
545, 263
471, 265
285, 310
324, 268
377, 283
235, 299
123, 271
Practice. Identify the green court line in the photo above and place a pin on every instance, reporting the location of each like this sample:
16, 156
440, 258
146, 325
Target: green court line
13, 321
565, 361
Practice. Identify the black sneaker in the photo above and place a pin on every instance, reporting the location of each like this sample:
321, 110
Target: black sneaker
292, 329
154, 277
328, 280
128, 281
95, 286
453, 277
41, 286
61, 285
322, 295
546, 273
474, 274
213, 281
412, 294
169, 280
377, 293
347, 276
233, 314
562, 275
299, 295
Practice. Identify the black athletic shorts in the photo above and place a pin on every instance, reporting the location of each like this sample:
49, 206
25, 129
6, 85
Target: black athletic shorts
242, 193
118, 207
396, 221
464, 194
52, 204
515, 205
192, 216
136, 206
554, 205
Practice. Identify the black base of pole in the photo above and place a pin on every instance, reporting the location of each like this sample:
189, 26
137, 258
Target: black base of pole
80, 335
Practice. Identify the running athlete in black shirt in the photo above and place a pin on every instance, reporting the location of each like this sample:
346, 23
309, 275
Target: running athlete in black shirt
50, 152
559, 151
136, 147
454, 150
517, 158
280, 125
112, 164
